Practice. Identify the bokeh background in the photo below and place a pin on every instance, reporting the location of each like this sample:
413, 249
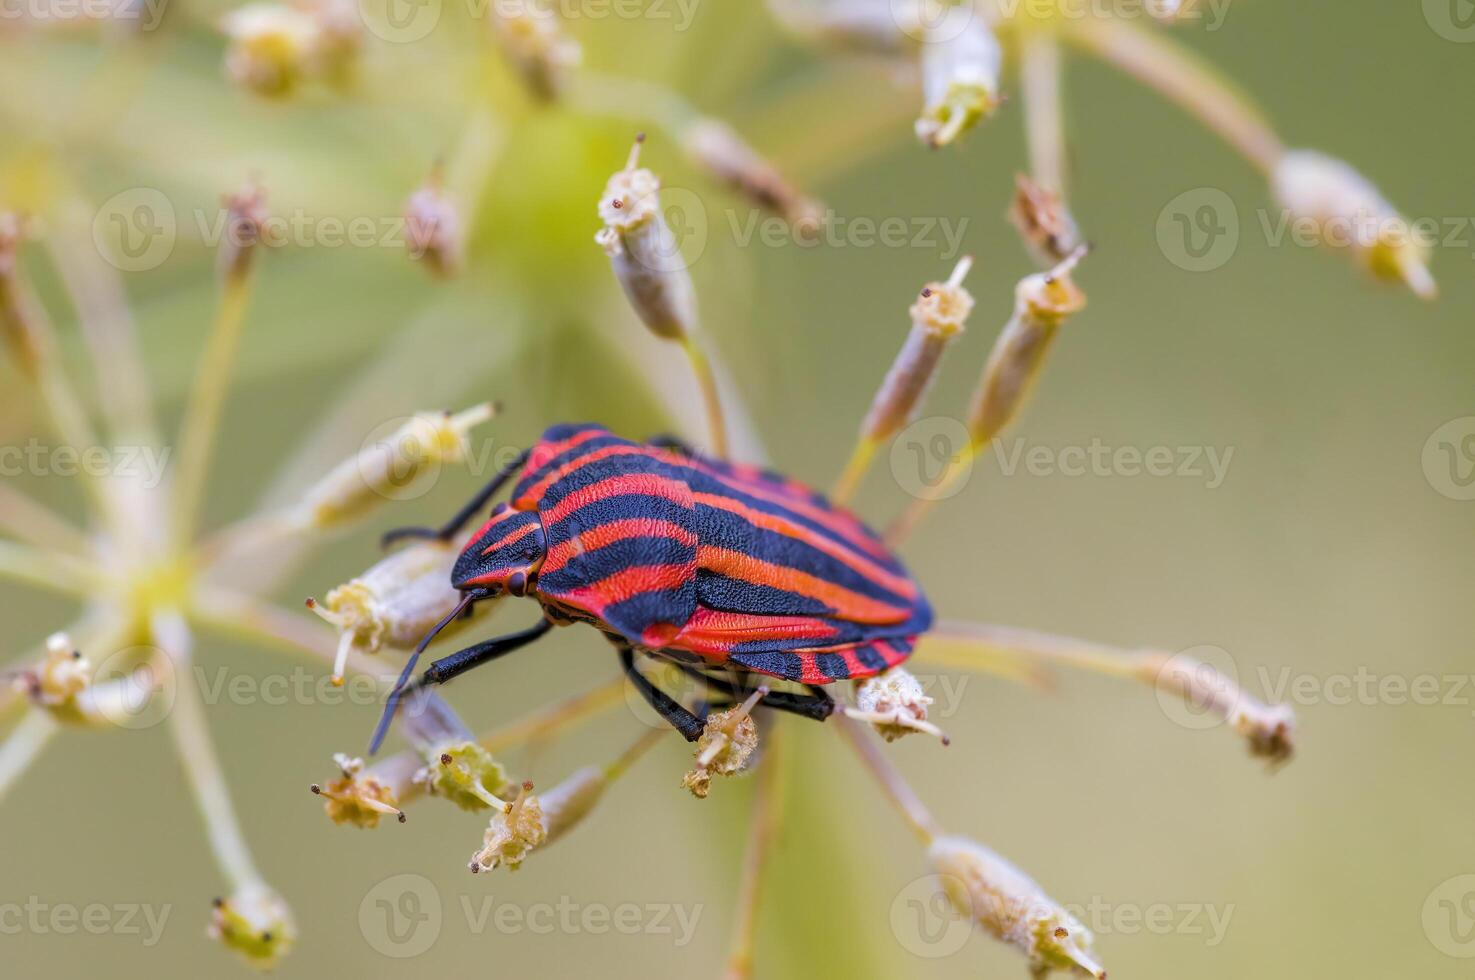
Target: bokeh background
1328, 551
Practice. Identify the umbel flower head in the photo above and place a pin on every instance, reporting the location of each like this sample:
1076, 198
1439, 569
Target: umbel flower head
357, 797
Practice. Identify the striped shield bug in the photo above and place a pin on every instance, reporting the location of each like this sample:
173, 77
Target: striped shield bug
730, 571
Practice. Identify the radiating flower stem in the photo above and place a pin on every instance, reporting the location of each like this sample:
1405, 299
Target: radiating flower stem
1182, 77
893, 785
768, 805
614, 770
28, 520
49, 569
201, 765
261, 621
1044, 121
555, 718
202, 414
23, 746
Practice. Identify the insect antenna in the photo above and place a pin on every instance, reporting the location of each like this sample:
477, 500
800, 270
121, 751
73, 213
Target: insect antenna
392, 704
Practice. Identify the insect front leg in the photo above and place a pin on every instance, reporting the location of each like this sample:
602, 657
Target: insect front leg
460, 662
688, 724
452, 527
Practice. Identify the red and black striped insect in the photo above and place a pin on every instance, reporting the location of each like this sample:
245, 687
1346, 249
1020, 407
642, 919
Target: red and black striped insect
729, 571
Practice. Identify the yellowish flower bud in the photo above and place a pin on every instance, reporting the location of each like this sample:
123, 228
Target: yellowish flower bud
1349, 212
62, 675
895, 705
388, 468
725, 745
961, 64
514, 831
534, 42
1042, 302
256, 923
716, 148
467, 775
1046, 225
357, 797
246, 230
270, 48
643, 251
395, 603
1008, 905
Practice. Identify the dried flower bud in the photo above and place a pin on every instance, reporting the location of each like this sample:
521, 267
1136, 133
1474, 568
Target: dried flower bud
1008, 905
1042, 302
246, 228
271, 47
895, 705
466, 774
643, 251
725, 745
1349, 212
1270, 729
395, 603
385, 469
716, 148
533, 40
1046, 225
256, 923
961, 64
62, 675
433, 232
357, 797
514, 831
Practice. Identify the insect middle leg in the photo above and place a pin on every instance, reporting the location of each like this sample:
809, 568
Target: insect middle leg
450, 528
817, 704
688, 724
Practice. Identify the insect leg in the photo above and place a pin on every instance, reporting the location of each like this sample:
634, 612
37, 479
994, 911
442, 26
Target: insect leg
668, 441
450, 528
817, 705
460, 662
688, 724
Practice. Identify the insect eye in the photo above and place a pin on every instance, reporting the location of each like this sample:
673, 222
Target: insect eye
517, 583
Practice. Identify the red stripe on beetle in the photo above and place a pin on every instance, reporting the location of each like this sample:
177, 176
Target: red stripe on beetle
644, 484
606, 534
846, 603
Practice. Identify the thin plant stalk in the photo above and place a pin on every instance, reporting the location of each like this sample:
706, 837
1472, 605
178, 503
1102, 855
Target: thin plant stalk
556, 717
259, 621
768, 807
890, 780
201, 765
207, 397
24, 746
1182, 77
32, 522
1044, 118
48, 569
701, 367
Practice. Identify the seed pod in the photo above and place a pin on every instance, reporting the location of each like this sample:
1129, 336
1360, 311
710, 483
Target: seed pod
395, 603
1008, 905
1042, 302
534, 42
433, 233
1349, 212
357, 797
961, 64
938, 316
388, 468
643, 251
254, 922
716, 148
1270, 729
895, 705
1046, 225
270, 47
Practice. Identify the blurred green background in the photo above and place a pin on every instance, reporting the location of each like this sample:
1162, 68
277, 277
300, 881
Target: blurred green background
1327, 550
